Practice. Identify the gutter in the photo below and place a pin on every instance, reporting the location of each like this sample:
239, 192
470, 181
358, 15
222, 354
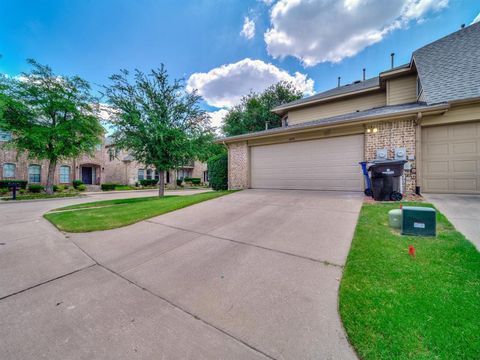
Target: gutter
432, 110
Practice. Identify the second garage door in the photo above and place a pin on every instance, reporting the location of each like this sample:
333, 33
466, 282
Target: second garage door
324, 164
451, 158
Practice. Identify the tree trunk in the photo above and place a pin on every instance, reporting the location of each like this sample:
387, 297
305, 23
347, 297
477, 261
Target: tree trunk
161, 183
50, 177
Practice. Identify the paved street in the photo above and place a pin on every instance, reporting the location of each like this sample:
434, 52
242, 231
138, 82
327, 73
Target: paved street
252, 275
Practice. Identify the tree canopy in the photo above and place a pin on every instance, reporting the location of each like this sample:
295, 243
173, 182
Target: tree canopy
50, 117
254, 109
157, 120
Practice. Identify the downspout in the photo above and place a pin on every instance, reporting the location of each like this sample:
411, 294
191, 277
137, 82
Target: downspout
418, 153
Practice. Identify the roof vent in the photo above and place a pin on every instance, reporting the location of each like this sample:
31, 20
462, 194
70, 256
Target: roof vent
363, 74
392, 58
338, 81
462, 26
357, 82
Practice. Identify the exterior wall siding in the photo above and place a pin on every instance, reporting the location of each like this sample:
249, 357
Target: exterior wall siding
402, 90
339, 107
238, 165
391, 135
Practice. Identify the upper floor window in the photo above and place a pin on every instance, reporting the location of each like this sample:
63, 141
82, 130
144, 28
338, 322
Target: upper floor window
34, 173
64, 174
141, 174
5, 136
8, 170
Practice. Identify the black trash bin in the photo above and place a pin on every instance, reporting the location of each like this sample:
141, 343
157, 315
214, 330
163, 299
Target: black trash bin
386, 178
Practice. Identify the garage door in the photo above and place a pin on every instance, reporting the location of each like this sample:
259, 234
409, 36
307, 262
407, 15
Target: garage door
451, 158
325, 164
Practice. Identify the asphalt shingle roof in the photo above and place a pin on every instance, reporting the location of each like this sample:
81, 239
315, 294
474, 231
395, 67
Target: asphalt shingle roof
341, 90
354, 116
449, 68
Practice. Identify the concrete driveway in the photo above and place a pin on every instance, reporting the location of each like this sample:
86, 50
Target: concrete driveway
252, 275
463, 211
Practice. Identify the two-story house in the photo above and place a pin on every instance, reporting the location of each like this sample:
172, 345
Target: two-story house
429, 108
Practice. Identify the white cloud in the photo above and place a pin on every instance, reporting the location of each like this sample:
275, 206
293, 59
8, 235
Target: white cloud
267, 2
477, 19
248, 30
216, 118
224, 86
316, 31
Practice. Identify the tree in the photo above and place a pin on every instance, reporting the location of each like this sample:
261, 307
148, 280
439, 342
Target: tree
157, 120
51, 117
254, 109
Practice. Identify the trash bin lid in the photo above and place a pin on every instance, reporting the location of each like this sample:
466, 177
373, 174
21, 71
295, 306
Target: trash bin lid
388, 172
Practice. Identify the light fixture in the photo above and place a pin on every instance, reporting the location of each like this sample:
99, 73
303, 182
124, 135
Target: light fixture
375, 130
369, 130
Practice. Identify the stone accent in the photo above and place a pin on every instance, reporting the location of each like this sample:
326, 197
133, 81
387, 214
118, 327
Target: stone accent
238, 163
391, 135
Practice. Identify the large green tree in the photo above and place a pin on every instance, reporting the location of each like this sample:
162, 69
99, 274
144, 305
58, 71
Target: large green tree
50, 117
157, 120
254, 109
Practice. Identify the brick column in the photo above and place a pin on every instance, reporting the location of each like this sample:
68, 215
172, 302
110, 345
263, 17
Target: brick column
238, 164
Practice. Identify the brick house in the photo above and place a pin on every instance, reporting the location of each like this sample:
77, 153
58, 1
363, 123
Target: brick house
104, 165
428, 109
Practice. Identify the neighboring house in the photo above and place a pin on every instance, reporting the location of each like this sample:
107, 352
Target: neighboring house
430, 107
106, 164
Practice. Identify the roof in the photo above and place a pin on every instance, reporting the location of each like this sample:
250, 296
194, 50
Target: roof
449, 68
368, 84
384, 111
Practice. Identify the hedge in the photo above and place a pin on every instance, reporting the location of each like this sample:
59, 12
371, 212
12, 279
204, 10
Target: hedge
35, 188
22, 183
148, 182
195, 181
77, 183
108, 186
218, 172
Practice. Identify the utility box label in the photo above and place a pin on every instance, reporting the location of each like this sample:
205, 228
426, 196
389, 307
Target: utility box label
419, 225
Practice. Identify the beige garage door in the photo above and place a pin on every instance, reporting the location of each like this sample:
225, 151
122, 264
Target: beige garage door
325, 164
451, 158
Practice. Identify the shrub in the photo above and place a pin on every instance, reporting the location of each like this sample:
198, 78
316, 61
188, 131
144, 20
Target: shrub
3, 191
148, 182
218, 172
35, 189
179, 182
4, 183
108, 186
195, 181
57, 188
82, 187
77, 183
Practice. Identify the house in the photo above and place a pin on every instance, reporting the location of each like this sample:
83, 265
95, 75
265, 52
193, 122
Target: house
429, 108
105, 165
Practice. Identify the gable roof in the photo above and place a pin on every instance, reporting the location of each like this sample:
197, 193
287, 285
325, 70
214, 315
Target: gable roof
449, 68
357, 86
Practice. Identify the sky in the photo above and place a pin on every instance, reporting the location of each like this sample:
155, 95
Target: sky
225, 48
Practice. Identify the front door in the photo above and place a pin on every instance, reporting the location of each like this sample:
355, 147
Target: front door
87, 175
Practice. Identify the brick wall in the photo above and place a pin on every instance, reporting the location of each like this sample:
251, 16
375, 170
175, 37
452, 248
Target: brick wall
238, 165
391, 135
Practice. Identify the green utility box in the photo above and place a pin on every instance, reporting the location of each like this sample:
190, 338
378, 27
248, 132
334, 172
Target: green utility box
419, 221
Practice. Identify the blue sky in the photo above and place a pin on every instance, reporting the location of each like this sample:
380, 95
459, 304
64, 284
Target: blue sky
308, 42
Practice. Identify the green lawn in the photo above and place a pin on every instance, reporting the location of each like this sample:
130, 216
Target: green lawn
110, 214
394, 306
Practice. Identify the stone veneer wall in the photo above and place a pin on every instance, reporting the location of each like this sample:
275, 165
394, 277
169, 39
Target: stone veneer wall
392, 135
238, 164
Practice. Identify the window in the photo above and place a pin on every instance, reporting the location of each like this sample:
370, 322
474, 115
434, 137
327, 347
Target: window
64, 174
34, 173
8, 170
205, 176
5, 136
149, 174
141, 174
156, 175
